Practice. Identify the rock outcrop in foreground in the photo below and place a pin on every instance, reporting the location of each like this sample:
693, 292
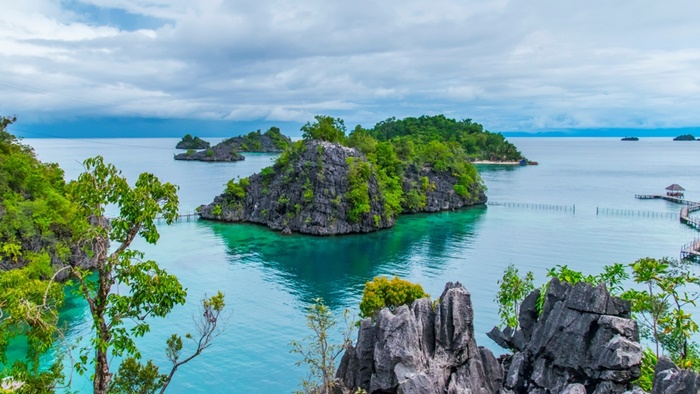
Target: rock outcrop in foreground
324, 188
583, 342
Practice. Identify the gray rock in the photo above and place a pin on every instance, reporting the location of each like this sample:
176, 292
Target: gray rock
576, 341
669, 379
418, 350
574, 388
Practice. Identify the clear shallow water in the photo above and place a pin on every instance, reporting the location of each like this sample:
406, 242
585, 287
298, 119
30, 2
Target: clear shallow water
269, 279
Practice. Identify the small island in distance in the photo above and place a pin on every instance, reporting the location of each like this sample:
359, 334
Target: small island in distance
271, 141
630, 139
685, 137
189, 142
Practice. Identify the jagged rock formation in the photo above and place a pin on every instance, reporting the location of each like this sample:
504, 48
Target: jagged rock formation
422, 349
271, 141
583, 342
583, 336
669, 379
326, 188
305, 195
188, 142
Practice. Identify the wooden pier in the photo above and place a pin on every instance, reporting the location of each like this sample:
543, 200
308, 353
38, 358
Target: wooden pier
690, 250
181, 217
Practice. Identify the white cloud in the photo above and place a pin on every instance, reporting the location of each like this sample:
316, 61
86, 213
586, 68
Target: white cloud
507, 64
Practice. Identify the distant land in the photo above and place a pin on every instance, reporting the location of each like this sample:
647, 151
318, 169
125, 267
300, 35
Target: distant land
28, 127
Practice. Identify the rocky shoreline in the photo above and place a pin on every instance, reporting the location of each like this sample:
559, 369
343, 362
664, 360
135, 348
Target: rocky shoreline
584, 341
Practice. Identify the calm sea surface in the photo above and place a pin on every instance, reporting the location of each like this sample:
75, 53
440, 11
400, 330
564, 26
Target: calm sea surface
268, 279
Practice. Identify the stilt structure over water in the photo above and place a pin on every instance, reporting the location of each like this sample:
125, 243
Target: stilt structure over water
674, 194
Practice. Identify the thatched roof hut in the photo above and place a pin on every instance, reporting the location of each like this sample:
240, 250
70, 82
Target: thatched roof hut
675, 190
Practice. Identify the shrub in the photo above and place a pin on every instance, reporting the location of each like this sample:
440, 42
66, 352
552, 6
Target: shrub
384, 293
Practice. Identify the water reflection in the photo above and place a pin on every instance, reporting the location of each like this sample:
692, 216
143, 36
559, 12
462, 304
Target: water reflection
336, 268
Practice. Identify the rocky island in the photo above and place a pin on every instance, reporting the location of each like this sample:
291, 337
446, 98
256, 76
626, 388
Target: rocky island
189, 142
330, 184
270, 141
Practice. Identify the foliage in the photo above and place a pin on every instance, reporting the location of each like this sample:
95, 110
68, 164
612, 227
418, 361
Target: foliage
646, 377
35, 215
189, 142
210, 152
217, 210
469, 136
513, 289
134, 377
152, 292
358, 193
325, 128
316, 349
237, 190
384, 293
28, 308
670, 287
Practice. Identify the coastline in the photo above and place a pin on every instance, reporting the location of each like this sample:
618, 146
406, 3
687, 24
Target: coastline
490, 162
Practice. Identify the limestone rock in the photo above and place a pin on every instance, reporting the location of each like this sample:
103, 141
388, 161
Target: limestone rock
584, 338
669, 379
422, 349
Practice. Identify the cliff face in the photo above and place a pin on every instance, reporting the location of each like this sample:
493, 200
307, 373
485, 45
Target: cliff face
583, 342
326, 189
309, 194
436, 191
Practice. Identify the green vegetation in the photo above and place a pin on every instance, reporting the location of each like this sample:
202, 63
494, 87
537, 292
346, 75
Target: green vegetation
237, 189
210, 152
253, 141
358, 194
384, 293
35, 214
189, 142
512, 290
325, 128
317, 351
471, 137
123, 291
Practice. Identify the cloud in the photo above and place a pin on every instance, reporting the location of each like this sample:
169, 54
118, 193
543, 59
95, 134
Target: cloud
511, 65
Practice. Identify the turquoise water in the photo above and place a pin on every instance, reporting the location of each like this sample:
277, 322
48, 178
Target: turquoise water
268, 279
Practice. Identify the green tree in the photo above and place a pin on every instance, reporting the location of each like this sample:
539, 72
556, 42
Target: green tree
152, 291
317, 351
384, 293
325, 128
512, 290
670, 286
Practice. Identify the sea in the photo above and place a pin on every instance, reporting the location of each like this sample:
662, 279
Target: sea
576, 208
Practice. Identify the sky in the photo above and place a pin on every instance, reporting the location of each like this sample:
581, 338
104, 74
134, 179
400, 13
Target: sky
99, 68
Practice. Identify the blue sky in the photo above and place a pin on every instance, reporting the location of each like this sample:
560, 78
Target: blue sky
104, 68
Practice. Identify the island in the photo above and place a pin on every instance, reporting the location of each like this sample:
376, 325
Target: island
630, 139
685, 137
189, 142
271, 141
329, 183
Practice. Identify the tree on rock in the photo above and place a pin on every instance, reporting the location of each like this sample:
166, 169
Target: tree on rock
325, 128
